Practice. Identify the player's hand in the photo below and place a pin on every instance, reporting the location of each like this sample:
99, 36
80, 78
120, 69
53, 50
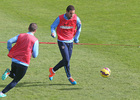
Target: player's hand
76, 40
53, 35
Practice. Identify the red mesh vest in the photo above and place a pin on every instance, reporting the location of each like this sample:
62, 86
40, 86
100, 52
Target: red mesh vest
66, 28
22, 50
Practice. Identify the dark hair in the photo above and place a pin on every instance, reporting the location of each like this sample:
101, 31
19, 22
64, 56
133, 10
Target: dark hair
70, 7
32, 27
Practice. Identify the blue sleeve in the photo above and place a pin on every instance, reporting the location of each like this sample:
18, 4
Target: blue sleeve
35, 49
11, 41
78, 29
54, 25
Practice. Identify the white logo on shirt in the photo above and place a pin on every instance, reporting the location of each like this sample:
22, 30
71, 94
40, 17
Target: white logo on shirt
66, 27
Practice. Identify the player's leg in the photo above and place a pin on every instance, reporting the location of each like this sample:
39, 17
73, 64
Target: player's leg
52, 70
20, 72
67, 68
64, 52
13, 70
6, 74
9, 73
70, 49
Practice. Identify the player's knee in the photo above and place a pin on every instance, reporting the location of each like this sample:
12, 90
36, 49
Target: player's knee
12, 75
66, 62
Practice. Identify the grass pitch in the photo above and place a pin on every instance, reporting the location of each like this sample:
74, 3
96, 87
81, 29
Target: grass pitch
103, 22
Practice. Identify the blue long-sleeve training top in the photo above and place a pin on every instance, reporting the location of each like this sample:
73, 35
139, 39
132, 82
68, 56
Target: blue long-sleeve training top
34, 53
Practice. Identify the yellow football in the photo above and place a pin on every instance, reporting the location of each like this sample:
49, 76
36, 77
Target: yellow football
105, 72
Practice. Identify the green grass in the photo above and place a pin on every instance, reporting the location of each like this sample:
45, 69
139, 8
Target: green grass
103, 22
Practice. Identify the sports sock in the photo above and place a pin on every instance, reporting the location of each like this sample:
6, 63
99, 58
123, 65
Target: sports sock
53, 71
69, 77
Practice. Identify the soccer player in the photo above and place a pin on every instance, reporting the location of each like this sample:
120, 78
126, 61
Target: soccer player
68, 29
26, 45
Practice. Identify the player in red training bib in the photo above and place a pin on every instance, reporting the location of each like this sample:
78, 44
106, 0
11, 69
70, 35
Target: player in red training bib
68, 30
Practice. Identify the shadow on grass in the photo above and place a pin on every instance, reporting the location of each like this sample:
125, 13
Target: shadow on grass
66, 89
34, 84
59, 84
29, 84
44, 84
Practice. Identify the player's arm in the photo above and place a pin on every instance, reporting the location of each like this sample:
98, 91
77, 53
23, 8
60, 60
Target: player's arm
53, 26
11, 41
76, 38
35, 49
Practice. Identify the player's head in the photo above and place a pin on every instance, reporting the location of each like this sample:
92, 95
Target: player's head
32, 27
70, 11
